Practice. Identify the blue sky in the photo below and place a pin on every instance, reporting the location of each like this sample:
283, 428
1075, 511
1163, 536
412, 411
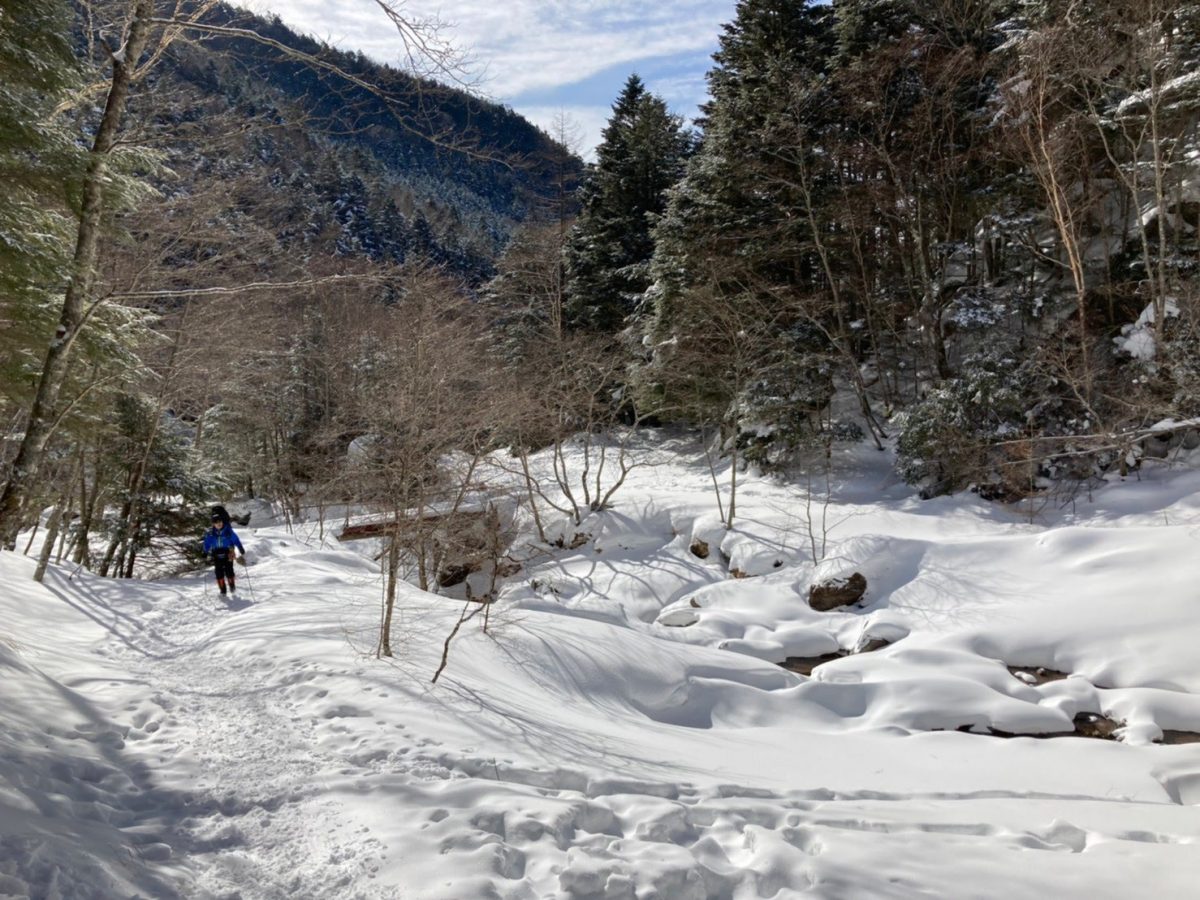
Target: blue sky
544, 58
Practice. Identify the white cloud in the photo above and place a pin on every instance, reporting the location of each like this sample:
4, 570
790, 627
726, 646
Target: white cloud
531, 53
525, 45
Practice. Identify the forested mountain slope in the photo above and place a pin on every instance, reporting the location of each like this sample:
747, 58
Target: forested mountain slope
388, 168
203, 203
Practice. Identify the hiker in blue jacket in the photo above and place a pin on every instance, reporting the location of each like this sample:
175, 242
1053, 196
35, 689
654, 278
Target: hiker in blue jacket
221, 542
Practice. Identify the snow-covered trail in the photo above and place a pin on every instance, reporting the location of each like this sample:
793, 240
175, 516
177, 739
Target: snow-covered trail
584, 750
303, 779
254, 816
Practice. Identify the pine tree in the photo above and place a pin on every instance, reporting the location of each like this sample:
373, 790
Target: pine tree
38, 167
733, 253
96, 198
641, 156
159, 480
741, 188
525, 299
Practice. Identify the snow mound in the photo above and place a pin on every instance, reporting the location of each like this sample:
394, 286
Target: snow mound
623, 729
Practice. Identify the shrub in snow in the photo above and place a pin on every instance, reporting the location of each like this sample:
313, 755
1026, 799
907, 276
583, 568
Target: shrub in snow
1141, 339
946, 440
162, 484
1179, 359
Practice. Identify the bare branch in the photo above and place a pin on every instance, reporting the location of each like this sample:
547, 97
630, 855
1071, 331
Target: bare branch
325, 65
244, 288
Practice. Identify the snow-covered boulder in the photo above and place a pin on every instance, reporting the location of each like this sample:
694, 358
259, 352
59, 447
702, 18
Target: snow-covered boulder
837, 592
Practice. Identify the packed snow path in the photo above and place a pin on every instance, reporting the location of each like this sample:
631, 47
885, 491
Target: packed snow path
585, 750
248, 813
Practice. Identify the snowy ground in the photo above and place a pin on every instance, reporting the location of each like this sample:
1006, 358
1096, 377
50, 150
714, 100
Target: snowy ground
156, 742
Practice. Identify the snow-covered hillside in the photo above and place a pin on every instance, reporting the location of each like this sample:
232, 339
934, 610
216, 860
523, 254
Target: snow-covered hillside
624, 729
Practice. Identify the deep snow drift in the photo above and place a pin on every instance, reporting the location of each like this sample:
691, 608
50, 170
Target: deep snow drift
624, 729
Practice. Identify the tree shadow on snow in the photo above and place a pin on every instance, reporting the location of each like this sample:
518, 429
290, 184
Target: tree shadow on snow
543, 733
100, 600
97, 811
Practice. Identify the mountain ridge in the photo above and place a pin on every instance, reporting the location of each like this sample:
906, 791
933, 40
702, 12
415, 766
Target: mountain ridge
410, 169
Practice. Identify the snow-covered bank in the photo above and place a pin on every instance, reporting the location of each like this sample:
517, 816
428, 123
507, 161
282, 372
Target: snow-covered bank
159, 743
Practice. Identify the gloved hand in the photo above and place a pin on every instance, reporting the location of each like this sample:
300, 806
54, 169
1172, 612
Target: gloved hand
241, 560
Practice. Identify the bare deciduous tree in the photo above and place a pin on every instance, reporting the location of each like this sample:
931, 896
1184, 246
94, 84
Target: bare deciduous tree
144, 37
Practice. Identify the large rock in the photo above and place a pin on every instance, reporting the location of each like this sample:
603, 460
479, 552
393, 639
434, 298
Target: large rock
837, 592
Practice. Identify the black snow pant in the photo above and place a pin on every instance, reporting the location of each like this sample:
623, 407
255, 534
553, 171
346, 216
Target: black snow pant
223, 565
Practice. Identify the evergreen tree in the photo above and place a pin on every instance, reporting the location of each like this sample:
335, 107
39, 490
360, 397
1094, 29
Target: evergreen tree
41, 181
525, 298
160, 483
96, 200
913, 85
38, 166
641, 156
733, 235
740, 197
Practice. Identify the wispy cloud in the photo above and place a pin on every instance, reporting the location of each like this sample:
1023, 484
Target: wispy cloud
523, 44
532, 53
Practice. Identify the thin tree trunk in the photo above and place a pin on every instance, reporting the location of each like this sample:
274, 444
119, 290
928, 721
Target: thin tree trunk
48, 545
1046, 164
712, 470
63, 512
529, 489
88, 503
733, 467
119, 563
462, 617
131, 510
63, 533
840, 341
116, 541
423, 554
389, 602
198, 441
28, 462
134, 535
33, 534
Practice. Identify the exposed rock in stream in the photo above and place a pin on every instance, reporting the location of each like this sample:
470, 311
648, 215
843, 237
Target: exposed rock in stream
804, 665
837, 592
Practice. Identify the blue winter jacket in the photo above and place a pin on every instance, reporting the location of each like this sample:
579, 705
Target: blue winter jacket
221, 538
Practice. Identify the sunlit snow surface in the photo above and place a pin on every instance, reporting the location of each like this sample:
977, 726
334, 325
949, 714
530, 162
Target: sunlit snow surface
156, 742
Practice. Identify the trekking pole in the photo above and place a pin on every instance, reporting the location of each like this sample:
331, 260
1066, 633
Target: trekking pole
246, 575
206, 584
